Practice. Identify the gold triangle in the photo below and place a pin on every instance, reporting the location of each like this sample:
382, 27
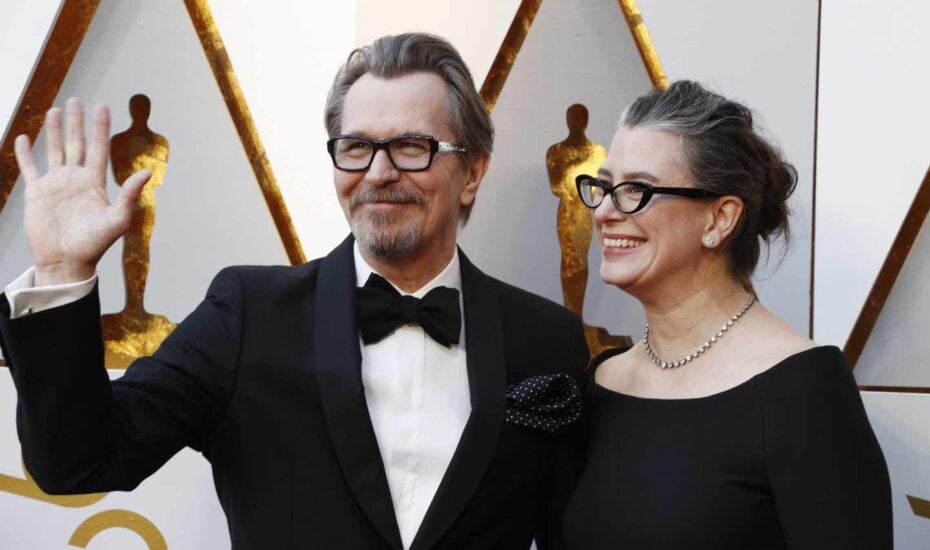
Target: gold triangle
53, 65
884, 283
520, 27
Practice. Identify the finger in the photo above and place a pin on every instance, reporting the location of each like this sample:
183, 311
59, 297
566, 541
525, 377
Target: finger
99, 151
131, 189
122, 208
54, 152
74, 146
24, 159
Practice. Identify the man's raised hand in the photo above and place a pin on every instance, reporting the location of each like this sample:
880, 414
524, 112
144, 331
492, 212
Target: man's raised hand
69, 220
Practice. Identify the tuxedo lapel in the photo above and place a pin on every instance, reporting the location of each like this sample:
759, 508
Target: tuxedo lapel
484, 346
338, 368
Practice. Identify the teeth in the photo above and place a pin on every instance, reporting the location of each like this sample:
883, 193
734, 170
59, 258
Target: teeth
622, 243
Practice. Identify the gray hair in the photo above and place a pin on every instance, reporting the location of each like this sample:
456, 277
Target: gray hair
393, 56
725, 154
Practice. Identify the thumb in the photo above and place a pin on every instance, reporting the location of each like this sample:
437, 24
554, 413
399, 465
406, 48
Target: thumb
129, 195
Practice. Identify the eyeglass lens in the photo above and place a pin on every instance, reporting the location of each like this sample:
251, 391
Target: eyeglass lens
407, 153
626, 197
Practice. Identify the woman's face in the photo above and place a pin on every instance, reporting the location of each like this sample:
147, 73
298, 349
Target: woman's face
661, 244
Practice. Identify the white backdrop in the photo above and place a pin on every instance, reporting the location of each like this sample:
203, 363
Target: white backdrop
872, 136
24, 30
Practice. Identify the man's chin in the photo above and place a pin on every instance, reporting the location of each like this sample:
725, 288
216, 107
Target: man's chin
379, 225
386, 240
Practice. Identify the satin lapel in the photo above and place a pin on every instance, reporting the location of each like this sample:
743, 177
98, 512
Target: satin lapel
484, 346
338, 363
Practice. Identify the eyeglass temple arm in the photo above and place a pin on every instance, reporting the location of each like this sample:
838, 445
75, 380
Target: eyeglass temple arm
685, 192
446, 147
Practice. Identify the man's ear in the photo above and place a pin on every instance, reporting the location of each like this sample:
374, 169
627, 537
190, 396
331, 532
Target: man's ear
723, 217
477, 168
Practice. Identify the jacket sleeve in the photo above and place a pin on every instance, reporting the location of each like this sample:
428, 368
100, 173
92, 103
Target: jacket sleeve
81, 433
827, 472
568, 459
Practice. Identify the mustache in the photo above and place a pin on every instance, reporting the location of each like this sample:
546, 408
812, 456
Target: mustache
394, 194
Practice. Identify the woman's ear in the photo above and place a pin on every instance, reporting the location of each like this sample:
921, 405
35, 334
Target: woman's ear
723, 217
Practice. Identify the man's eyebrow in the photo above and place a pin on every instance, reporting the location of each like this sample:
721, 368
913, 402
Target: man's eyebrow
366, 135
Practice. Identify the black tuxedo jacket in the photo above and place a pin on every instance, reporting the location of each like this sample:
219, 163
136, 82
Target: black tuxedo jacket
264, 379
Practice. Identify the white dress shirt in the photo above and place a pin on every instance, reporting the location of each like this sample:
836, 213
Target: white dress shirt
416, 390
25, 298
418, 401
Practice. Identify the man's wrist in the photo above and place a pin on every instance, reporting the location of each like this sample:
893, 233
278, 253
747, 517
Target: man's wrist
60, 274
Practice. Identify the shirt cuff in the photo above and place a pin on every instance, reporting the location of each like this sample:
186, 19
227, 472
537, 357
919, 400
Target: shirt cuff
25, 298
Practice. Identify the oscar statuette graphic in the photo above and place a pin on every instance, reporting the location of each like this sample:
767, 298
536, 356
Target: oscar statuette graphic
565, 160
134, 332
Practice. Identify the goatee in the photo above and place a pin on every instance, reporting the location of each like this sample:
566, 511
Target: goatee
384, 234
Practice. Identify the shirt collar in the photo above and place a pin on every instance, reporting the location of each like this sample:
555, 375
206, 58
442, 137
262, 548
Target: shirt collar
450, 276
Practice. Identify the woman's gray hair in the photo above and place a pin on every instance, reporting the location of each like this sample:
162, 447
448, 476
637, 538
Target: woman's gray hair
393, 56
725, 154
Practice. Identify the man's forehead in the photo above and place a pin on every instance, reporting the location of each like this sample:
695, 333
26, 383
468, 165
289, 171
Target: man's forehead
415, 102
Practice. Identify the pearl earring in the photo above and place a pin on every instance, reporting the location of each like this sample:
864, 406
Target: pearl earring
709, 241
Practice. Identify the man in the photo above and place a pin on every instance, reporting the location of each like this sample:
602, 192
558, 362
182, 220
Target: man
330, 422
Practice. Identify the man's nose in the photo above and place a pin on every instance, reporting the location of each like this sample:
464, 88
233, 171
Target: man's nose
382, 170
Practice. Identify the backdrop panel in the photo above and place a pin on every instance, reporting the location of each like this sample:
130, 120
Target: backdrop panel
575, 52
900, 422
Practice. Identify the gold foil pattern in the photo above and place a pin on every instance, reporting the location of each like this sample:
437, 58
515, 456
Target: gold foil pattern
26, 487
888, 274
508, 51
53, 64
134, 332
919, 506
55, 61
520, 28
647, 50
113, 519
565, 160
572, 156
225, 76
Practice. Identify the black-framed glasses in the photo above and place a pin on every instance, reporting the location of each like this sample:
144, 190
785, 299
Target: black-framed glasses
408, 153
631, 196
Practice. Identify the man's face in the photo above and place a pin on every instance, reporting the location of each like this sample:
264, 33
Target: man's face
396, 214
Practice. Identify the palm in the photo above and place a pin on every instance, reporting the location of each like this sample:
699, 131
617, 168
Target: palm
69, 220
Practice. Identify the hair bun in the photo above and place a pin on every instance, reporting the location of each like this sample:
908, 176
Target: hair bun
781, 182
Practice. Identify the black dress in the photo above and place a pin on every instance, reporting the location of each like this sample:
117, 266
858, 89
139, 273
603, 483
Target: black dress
786, 459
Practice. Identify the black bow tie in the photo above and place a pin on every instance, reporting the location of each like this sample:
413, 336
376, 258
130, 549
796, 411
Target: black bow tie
381, 309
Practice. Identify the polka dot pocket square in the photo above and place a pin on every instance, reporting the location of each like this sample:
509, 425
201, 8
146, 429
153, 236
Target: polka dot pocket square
546, 402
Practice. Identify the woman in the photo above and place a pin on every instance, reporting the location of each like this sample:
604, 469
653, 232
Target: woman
724, 427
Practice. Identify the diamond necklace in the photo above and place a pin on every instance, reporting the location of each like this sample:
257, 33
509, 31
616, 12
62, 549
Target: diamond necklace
707, 343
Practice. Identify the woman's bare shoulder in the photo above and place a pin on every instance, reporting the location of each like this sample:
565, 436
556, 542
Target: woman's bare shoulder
771, 341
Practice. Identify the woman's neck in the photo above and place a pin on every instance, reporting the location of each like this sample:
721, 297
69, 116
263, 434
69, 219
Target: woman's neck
681, 320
